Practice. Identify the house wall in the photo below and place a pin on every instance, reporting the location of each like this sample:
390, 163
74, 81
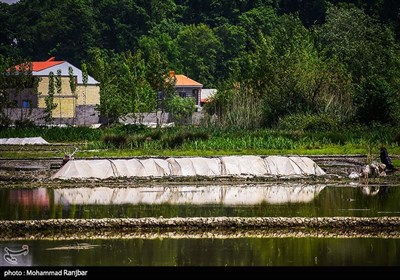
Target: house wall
67, 102
92, 94
86, 115
70, 109
34, 114
65, 107
189, 93
26, 94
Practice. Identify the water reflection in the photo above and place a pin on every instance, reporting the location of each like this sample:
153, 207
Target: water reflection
374, 190
250, 200
196, 195
310, 251
27, 197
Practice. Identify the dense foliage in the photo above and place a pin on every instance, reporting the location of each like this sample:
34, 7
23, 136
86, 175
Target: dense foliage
270, 60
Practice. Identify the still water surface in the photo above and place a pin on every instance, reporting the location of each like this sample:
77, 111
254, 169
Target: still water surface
209, 252
252, 200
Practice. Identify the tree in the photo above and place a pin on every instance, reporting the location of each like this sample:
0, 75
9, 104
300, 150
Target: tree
121, 25
161, 42
131, 93
53, 27
72, 86
371, 55
181, 108
133, 85
200, 47
285, 75
158, 68
233, 39
4, 95
21, 82
85, 77
59, 90
100, 65
260, 20
49, 99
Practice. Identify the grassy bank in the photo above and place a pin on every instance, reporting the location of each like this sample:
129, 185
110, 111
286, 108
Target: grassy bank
128, 141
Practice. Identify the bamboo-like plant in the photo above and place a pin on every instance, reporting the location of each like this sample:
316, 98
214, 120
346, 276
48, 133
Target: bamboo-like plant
72, 85
85, 77
59, 89
49, 99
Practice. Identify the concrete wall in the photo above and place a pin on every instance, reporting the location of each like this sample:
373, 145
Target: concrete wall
35, 115
166, 118
85, 115
147, 118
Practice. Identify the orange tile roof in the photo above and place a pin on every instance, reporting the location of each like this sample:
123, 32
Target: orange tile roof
182, 81
40, 65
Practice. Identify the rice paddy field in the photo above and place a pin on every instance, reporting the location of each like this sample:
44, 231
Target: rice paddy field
138, 140
35, 200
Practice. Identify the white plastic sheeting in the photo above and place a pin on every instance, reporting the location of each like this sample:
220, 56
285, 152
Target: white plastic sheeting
194, 166
23, 141
198, 195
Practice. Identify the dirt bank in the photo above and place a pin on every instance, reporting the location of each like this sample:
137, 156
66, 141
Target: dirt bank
43, 169
374, 225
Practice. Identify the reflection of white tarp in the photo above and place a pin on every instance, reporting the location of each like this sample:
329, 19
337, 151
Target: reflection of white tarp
23, 141
197, 166
227, 195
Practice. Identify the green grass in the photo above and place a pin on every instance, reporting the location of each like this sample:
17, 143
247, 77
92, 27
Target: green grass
124, 153
131, 141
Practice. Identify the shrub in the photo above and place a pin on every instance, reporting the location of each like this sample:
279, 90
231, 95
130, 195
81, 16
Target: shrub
396, 138
24, 123
177, 140
306, 122
116, 141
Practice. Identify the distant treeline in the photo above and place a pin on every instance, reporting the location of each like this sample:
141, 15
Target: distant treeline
285, 63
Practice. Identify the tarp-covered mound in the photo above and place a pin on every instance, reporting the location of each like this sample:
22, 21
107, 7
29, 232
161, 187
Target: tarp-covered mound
23, 141
196, 166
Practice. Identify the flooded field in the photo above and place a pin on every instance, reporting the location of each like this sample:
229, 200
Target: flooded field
311, 251
186, 246
246, 200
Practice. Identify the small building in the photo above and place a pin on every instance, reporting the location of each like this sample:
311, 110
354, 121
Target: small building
206, 94
71, 109
187, 88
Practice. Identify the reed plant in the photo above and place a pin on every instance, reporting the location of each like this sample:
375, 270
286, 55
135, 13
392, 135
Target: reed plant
140, 140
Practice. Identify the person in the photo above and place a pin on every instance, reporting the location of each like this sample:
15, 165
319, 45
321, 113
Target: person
386, 160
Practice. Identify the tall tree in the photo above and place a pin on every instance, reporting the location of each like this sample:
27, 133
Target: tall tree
85, 77
72, 86
200, 46
49, 99
370, 53
131, 93
59, 90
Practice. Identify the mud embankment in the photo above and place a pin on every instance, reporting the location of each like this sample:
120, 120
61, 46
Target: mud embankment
43, 169
323, 226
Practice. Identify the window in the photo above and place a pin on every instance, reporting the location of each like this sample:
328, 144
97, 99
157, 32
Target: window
182, 94
26, 104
